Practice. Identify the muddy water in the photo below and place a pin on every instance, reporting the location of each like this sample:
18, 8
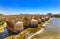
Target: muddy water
51, 30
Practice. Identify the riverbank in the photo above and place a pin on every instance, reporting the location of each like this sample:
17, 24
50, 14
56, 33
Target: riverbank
1, 26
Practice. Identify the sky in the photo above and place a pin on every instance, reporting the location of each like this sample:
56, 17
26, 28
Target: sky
10, 7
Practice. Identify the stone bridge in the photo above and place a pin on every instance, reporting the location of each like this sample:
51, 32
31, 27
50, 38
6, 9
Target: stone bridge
11, 20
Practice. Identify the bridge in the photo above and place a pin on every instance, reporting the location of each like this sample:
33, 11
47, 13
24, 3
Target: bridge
12, 20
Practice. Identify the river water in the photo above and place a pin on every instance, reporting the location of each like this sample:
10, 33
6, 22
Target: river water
51, 30
54, 25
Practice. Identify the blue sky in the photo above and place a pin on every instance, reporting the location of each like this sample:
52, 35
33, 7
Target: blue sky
29, 6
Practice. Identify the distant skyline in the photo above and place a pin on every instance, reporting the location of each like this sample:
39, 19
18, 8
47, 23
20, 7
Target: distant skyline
10, 7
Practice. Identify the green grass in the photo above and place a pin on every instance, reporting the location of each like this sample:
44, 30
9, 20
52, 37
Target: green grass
1, 22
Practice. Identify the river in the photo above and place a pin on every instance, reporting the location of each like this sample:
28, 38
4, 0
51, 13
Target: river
51, 30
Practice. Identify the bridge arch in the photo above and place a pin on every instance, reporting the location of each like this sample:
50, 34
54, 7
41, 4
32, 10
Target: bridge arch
11, 24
